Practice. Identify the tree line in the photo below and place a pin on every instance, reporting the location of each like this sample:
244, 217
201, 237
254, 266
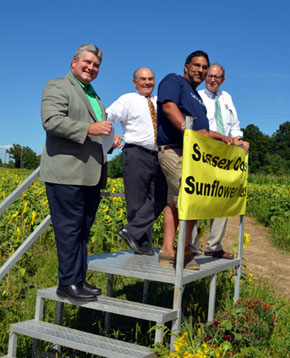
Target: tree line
21, 157
267, 155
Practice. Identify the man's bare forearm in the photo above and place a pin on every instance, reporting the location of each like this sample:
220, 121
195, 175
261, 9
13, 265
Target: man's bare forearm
174, 115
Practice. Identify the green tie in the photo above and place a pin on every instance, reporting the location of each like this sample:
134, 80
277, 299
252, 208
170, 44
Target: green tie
218, 116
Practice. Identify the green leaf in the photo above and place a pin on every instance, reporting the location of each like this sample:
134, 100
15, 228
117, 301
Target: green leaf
228, 326
226, 346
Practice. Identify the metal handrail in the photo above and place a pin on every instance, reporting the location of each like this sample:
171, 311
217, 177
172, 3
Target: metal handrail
24, 247
7, 266
18, 191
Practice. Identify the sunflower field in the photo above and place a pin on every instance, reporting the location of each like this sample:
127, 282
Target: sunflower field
268, 201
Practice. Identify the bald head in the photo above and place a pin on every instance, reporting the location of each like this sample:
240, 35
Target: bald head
144, 81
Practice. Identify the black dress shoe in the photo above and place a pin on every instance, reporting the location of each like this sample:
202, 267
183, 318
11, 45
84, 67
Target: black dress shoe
130, 240
91, 289
221, 254
76, 292
146, 251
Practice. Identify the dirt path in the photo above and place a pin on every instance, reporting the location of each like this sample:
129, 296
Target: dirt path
260, 257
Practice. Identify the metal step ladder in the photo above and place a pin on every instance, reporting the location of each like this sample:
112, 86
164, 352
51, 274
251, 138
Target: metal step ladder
159, 315
87, 342
124, 263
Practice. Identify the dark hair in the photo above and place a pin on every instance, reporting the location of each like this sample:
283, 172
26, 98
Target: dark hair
198, 53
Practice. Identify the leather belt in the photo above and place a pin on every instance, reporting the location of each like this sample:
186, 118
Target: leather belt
130, 145
171, 146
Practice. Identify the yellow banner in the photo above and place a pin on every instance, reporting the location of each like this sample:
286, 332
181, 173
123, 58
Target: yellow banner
214, 181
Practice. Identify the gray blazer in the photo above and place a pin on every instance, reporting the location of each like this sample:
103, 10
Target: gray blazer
70, 156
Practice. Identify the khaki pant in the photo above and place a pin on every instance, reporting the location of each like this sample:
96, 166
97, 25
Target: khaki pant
217, 232
171, 164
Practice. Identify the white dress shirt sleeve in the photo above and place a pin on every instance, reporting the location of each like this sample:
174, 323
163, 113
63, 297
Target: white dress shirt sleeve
132, 111
118, 110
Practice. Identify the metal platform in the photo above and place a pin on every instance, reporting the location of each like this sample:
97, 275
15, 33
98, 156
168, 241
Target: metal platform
82, 341
160, 315
126, 263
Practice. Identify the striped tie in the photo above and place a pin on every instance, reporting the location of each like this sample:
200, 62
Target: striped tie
153, 116
218, 116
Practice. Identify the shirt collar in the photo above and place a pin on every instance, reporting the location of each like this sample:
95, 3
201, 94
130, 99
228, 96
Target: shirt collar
88, 89
211, 95
142, 95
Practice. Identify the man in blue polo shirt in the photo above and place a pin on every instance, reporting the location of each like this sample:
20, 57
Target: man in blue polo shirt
178, 98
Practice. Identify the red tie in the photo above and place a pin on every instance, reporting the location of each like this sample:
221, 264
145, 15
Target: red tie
153, 116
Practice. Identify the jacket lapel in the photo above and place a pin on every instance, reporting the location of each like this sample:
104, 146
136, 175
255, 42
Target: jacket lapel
83, 96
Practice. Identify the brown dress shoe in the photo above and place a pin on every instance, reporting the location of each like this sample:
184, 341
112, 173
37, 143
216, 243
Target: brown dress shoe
191, 264
166, 259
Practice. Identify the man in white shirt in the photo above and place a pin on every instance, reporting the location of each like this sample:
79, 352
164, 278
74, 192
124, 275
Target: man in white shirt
145, 184
212, 97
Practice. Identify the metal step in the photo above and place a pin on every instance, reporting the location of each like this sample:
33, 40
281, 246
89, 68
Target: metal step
157, 314
82, 341
126, 263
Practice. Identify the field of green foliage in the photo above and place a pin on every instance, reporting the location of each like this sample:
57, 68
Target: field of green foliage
268, 201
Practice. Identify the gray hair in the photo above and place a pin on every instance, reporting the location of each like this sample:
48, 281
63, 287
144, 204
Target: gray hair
220, 66
134, 74
91, 48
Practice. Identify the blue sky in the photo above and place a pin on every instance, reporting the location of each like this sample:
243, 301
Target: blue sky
38, 40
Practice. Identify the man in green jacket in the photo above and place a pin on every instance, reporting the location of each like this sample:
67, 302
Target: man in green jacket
73, 166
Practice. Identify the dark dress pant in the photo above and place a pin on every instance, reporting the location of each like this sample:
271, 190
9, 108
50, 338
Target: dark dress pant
145, 191
73, 209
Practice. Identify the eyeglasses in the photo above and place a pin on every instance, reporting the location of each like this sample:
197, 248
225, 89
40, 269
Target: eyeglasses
198, 65
215, 77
